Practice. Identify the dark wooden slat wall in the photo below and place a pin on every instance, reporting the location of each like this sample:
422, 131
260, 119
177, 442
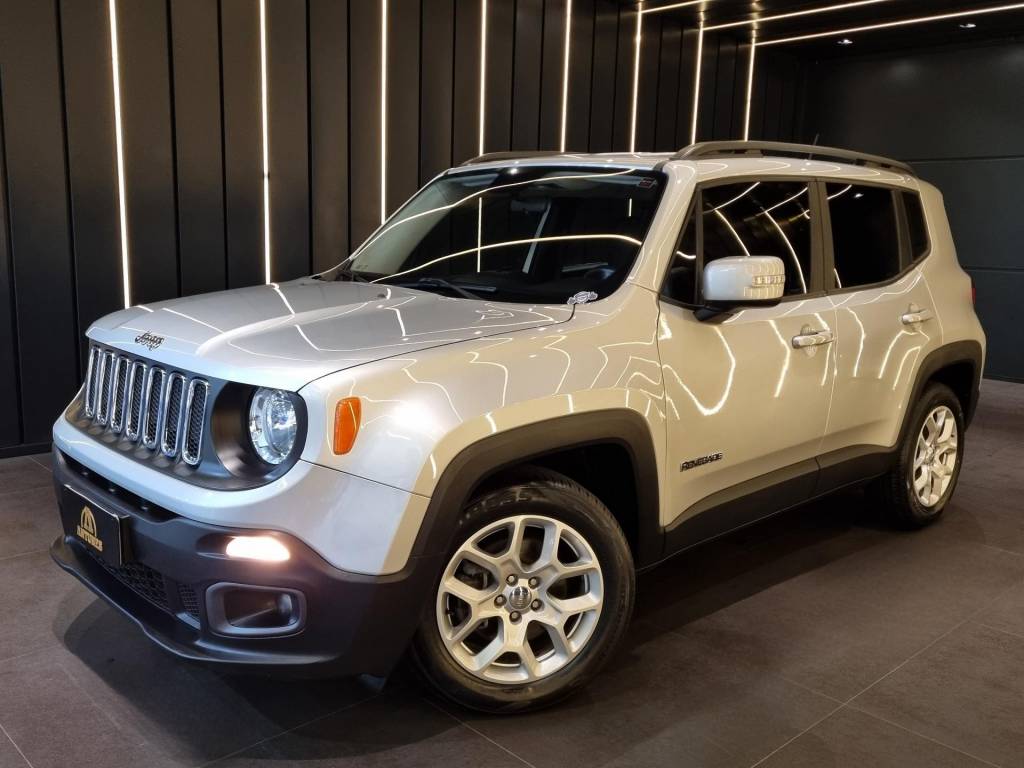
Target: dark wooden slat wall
193, 141
92, 160
195, 51
10, 420
148, 130
552, 66
403, 101
499, 76
242, 141
437, 61
466, 88
581, 62
328, 130
529, 40
602, 80
288, 113
364, 119
38, 221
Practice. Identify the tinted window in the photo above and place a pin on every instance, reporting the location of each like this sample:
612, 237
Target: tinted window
682, 274
521, 233
915, 224
865, 239
764, 218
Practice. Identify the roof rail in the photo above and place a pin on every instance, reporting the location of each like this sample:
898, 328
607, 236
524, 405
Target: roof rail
704, 150
489, 157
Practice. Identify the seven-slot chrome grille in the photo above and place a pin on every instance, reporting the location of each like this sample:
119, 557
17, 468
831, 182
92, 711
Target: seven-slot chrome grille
164, 410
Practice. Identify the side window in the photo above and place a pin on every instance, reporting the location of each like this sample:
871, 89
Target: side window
916, 226
865, 237
682, 274
761, 218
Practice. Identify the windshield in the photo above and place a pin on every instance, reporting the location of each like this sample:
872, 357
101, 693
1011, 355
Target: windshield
516, 234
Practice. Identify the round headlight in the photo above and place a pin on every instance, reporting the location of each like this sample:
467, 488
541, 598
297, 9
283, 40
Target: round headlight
272, 424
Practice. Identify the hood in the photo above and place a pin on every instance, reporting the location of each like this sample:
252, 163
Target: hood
286, 335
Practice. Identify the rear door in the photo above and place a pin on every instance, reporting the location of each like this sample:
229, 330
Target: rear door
746, 409
876, 240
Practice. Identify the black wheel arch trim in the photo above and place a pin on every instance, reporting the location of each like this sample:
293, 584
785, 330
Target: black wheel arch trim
955, 353
482, 459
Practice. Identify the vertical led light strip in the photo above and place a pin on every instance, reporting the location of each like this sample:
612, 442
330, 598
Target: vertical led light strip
696, 84
636, 74
565, 72
383, 110
483, 74
483, 124
266, 141
750, 86
115, 68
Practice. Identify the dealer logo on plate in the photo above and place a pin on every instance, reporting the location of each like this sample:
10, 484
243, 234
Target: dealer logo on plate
87, 529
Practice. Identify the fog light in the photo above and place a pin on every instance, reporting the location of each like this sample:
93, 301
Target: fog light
264, 548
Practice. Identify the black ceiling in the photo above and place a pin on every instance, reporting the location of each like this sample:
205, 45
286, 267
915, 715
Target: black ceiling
989, 26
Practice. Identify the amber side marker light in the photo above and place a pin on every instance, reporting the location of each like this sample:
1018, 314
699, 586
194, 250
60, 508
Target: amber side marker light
347, 416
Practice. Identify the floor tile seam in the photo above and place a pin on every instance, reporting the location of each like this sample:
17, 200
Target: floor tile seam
1015, 635
33, 489
5, 558
16, 747
92, 699
33, 459
33, 652
806, 730
924, 736
484, 736
287, 731
967, 620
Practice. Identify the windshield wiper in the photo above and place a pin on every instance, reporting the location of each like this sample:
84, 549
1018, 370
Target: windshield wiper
466, 292
348, 274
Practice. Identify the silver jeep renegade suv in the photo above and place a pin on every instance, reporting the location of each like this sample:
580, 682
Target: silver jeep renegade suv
540, 375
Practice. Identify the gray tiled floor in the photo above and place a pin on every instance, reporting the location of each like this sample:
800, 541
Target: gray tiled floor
817, 638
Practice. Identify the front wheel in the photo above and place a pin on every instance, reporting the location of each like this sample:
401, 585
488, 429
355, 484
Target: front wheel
535, 596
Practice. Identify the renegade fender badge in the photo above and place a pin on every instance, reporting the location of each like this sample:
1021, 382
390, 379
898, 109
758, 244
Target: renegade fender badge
700, 461
87, 530
149, 340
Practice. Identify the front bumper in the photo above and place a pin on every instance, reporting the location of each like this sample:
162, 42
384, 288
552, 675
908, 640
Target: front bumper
351, 623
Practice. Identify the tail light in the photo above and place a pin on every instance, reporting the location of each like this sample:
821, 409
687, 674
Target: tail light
974, 293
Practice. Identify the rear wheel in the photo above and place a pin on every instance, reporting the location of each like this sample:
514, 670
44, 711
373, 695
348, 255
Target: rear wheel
915, 491
536, 593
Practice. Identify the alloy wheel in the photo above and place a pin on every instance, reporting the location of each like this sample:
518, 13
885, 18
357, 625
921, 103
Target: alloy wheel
935, 456
520, 599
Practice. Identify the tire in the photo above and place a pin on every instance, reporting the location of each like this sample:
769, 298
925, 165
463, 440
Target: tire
897, 492
536, 508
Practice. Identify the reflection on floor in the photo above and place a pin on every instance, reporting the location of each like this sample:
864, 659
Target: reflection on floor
818, 638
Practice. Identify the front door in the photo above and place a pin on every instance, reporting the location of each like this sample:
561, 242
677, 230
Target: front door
747, 393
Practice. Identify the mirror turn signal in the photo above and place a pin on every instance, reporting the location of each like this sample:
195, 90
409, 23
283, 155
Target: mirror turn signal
348, 413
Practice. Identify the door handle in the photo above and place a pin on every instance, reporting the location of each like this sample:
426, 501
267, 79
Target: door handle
914, 315
812, 339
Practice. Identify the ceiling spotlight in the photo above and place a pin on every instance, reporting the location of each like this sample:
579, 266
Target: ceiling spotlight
845, 41
968, 25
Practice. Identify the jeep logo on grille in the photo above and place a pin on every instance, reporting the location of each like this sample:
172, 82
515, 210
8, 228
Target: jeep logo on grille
149, 340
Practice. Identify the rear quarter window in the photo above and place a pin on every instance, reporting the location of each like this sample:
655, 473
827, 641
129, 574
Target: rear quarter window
916, 227
865, 234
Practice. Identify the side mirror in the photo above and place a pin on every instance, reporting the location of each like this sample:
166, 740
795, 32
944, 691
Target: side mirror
742, 281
